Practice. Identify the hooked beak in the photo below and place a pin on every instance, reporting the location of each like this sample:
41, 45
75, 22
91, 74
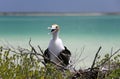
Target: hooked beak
52, 30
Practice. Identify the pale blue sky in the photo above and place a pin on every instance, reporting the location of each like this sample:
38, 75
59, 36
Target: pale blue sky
59, 5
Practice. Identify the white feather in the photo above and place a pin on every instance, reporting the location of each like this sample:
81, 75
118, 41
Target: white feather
55, 47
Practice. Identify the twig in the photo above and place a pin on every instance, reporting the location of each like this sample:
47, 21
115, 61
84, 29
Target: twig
109, 58
78, 59
58, 64
34, 48
95, 58
40, 49
60, 61
36, 54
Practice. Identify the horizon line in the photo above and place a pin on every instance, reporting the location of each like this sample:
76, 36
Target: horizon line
57, 13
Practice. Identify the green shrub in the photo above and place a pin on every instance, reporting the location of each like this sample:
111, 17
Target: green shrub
24, 64
16, 65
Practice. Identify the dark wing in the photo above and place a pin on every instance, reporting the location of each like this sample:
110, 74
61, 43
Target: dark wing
65, 56
46, 56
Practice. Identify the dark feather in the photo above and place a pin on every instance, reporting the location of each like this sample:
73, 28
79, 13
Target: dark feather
46, 56
65, 56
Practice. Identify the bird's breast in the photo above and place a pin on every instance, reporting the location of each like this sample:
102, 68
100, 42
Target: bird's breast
56, 46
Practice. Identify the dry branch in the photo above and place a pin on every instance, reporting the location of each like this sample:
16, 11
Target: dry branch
109, 58
36, 54
95, 58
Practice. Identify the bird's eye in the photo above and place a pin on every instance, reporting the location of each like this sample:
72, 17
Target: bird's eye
56, 27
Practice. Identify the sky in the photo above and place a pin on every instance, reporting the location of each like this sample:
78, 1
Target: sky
59, 5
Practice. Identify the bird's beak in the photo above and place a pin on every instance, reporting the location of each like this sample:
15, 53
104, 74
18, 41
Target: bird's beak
52, 30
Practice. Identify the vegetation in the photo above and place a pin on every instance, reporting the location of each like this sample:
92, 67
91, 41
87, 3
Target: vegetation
28, 64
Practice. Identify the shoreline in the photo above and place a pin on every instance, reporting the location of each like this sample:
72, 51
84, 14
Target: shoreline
53, 14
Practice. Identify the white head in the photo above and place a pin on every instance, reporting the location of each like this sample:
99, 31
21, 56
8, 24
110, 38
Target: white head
54, 28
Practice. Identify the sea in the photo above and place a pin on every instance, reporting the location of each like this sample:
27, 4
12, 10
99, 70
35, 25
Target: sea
82, 35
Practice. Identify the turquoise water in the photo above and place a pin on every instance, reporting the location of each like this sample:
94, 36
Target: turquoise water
75, 25
77, 32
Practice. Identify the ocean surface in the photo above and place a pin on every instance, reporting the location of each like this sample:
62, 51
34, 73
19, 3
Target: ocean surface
79, 33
